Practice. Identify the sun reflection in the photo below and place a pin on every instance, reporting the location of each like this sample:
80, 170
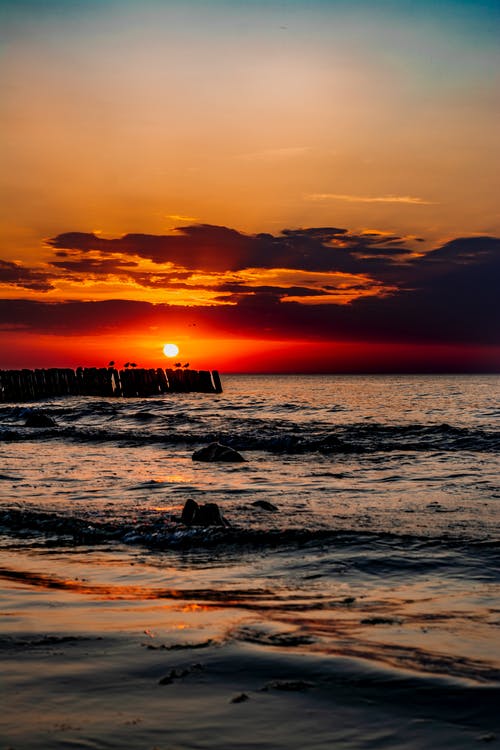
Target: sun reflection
195, 608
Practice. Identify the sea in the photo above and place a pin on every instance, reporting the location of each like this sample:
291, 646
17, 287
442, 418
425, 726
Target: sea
362, 529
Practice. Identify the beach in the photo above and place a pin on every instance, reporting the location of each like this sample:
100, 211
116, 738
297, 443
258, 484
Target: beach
358, 609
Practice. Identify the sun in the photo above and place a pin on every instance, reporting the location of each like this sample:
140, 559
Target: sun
170, 350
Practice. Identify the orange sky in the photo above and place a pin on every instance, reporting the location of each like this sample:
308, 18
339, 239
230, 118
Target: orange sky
154, 152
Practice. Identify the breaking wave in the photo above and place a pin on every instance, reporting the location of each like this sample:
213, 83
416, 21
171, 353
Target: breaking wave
274, 436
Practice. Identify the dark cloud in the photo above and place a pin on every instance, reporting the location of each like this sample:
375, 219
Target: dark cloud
199, 247
19, 275
466, 250
448, 295
93, 266
216, 249
73, 317
459, 303
237, 293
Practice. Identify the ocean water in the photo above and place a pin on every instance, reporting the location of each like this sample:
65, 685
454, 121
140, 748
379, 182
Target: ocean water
382, 550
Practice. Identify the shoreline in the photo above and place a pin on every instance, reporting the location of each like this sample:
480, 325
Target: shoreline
83, 672
116, 693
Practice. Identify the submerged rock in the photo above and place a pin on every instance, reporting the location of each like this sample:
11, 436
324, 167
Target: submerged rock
179, 673
241, 698
218, 452
39, 419
202, 515
265, 505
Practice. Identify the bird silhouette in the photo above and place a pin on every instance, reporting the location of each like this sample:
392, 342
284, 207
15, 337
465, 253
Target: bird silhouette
133, 364
127, 364
186, 365
178, 364
111, 364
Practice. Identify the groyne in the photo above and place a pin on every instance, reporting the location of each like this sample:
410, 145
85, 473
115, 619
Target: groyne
33, 385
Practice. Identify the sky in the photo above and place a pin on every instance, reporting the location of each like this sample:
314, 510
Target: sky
278, 186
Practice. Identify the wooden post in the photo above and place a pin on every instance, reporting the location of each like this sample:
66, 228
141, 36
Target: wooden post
205, 380
216, 381
162, 381
29, 385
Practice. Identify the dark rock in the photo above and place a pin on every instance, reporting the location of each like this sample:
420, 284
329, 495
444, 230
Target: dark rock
174, 674
209, 515
189, 512
39, 419
165, 680
264, 505
241, 698
218, 452
202, 515
179, 673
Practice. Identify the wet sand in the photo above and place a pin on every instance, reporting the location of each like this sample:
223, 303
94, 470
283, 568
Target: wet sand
83, 672
115, 693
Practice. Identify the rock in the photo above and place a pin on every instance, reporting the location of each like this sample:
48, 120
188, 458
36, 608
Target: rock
174, 674
218, 452
264, 505
189, 512
202, 515
179, 673
209, 515
241, 698
39, 419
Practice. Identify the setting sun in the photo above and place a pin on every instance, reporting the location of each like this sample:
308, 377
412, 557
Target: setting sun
170, 350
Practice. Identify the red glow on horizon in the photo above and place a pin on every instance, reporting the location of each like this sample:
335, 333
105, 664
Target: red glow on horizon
246, 355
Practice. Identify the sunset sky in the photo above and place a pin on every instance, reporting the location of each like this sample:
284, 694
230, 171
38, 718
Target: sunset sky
288, 185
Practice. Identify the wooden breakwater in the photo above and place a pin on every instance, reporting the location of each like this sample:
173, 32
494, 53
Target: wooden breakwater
33, 385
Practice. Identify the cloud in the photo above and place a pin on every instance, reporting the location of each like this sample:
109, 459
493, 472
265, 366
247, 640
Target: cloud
177, 217
18, 275
94, 266
208, 248
465, 251
198, 246
412, 200
315, 283
448, 296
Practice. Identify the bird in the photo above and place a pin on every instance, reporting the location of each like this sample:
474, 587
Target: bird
112, 363
186, 365
133, 364
127, 364
178, 364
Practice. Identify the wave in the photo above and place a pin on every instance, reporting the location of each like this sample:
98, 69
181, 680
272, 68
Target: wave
276, 437
169, 533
